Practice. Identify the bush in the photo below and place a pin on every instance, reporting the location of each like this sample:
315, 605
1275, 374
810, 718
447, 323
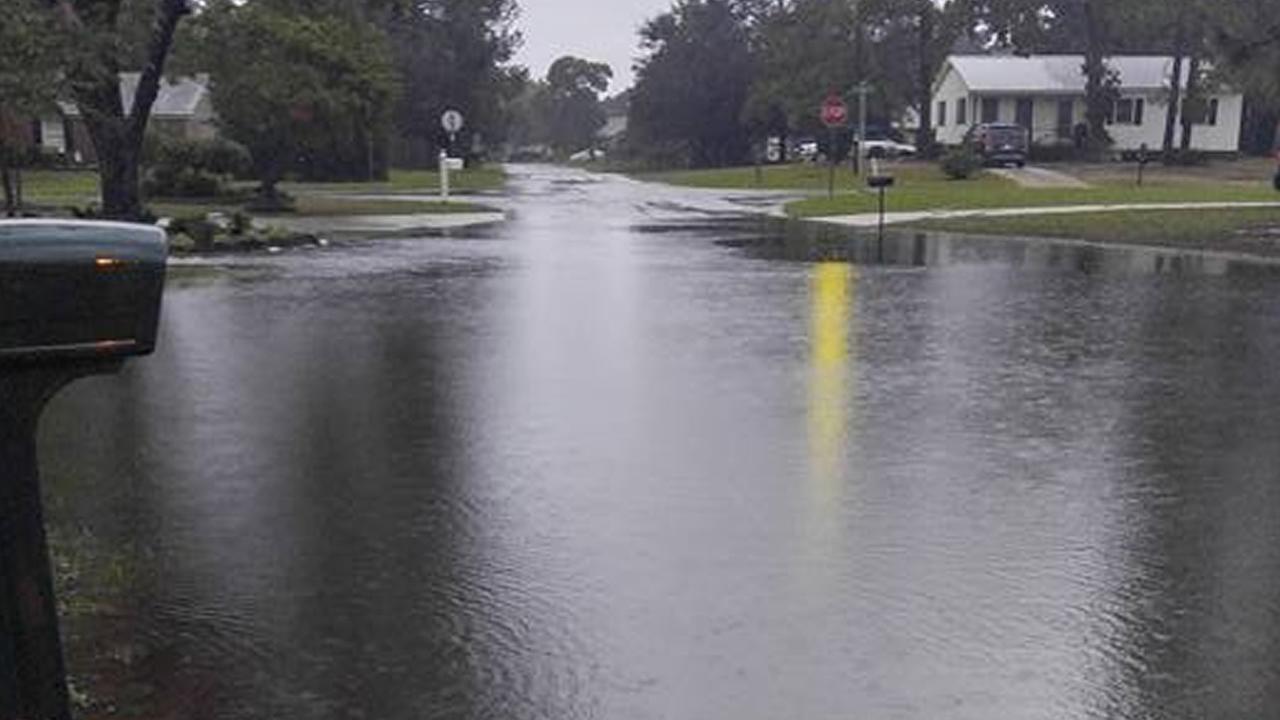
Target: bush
191, 168
960, 163
1054, 153
1186, 158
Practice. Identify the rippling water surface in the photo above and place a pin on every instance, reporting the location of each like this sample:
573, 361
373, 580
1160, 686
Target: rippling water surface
628, 456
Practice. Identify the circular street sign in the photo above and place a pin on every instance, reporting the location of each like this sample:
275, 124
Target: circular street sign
834, 112
451, 121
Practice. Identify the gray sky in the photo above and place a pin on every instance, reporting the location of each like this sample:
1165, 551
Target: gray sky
600, 30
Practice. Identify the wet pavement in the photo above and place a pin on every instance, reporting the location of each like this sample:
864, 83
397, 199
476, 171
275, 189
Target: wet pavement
633, 455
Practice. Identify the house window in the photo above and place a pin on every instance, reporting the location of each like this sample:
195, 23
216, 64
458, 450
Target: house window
1129, 111
962, 111
942, 113
990, 110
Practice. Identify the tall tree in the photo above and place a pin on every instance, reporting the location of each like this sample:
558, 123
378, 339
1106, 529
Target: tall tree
105, 37
803, 51
30, 77
691, 88
307, 92
1245, 35
454, 54
574, 87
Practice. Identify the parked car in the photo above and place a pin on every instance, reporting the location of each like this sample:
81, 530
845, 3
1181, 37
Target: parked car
885, 148
999, 143
807, 150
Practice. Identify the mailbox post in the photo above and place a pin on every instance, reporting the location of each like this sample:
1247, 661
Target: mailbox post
880, 183
76, 299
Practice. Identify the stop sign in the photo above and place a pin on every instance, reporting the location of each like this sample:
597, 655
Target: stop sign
834, 112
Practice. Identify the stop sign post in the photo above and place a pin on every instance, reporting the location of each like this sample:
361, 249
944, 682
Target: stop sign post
835, 115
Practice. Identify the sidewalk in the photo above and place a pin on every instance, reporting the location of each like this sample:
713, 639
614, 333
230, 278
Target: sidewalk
384, 224
867, 220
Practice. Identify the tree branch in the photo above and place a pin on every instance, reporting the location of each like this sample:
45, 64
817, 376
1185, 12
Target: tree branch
168, 14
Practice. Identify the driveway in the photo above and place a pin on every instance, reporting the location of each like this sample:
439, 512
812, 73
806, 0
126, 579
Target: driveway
1040, 178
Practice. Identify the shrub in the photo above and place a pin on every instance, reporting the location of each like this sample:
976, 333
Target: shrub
1054, 153
196, 227
191, 168
1186, 158
960, 163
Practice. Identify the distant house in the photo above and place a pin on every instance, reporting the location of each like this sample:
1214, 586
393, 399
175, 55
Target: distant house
613, 130
1046, 94
183, 109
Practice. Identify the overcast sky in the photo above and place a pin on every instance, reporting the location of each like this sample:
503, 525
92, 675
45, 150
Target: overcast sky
600, 30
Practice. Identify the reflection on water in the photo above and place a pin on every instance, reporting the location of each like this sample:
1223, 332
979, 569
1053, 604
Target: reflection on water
834, 294
595, 465
813, 242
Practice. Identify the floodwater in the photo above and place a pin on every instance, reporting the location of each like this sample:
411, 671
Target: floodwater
631, 456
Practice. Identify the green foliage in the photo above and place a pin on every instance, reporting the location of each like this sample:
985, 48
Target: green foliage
176, 167
309, 94
453, 54
692, 88
960, 163
564, 111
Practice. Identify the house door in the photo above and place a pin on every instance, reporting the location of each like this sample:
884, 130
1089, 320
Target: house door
1026, 115
990, 110
1066, 118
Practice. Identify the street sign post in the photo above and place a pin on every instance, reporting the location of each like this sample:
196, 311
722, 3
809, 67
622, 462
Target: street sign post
452, 121
835, 115
863, 89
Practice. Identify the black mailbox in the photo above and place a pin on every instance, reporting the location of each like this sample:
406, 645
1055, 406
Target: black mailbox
880, 181
79, 290
76, 299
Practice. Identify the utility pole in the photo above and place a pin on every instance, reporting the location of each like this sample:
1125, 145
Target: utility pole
863, 88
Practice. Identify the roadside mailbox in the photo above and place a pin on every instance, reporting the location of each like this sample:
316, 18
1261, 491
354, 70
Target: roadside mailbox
75, 291
76, 299
880, 182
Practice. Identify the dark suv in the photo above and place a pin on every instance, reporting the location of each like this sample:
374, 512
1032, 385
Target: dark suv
999, 144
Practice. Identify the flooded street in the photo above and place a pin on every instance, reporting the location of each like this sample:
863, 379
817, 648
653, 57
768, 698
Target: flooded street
632, 456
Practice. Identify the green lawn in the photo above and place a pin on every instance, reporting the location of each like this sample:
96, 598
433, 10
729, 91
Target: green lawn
929, 189
60, 187
1249, 230
485, 178
796, 176
322, 206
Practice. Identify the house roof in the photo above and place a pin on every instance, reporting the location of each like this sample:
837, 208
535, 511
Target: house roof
1056, 73
177, 99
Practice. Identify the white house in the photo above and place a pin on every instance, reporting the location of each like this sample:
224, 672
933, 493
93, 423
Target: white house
1046, 94
183, 109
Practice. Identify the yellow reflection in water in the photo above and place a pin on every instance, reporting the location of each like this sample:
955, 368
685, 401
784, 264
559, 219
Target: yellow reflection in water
832, 318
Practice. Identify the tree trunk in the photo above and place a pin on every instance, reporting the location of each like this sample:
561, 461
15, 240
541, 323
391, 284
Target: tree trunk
1095, 70
10, 202
1175, 89
1193, 94
117, 167
925, 138
117, 135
